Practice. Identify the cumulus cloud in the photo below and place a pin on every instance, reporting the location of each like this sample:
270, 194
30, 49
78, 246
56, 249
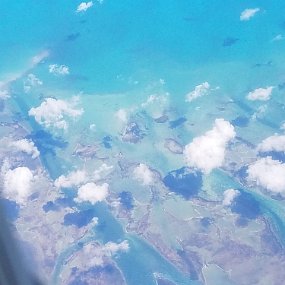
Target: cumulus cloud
18, 184
58, 69
74, 178
143, 174
199, 91
31, 81
248, 14
26, 146
208, 151
52, 112
93, 193
262, 94
229, 196
273, 143
267, 173
84, 6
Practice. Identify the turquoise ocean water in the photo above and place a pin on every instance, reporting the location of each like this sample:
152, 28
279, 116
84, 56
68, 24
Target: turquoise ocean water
121, 52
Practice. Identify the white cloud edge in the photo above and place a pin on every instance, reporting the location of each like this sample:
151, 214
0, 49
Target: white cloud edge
84, 6
207, 152
248, 13
262, 94
267, 173
54, 112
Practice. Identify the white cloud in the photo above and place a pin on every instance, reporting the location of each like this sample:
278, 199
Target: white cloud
273, 143
122, 115
79, 177
58, 69
84, 6
143, 174
248, 14
93, 193
52, 112
229, 196
208, 151
200, 90
262, 94
104, 169
74, 178
95, 255
92, 127
18, 184
268, 173
155, 105
26, 146
31, 81
111, 248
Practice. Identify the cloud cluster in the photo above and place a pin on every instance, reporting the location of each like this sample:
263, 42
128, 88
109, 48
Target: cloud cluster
208, 151
88, 190
93, 193
111, 248
267, 173
73, 179
104, 169
18, 184
247, 14
58, 69
199, 91
143, 174
96, 255
229, 196
31, 81
273, 143
79, 177
26, 146
262, 94
52, 112
84, 6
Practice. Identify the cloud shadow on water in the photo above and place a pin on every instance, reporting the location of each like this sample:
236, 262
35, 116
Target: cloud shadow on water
183, 182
